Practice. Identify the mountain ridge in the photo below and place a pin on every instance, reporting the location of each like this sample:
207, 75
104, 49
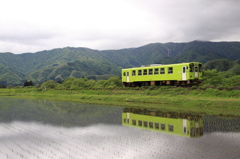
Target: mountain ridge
54, 64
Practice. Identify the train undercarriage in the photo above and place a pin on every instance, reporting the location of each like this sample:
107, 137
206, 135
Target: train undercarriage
188, 83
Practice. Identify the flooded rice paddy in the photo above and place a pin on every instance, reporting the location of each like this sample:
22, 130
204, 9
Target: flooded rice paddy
47, 129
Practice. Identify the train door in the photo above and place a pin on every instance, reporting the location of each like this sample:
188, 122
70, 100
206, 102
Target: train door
184, 124
196, 72
128, 76
184, 74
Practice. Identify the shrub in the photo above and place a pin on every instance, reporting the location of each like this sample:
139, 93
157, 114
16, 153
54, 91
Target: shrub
152, 87
100, 84
68, 82
90, 83
203, 87
48, 84
211, 91
235, 80
229, 88
59, 87
78, 83
10, 86
194, 87
220, 88
17, 87
115, 80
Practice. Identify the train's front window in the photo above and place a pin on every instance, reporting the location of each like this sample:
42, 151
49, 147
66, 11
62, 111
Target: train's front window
191, 67
196, 69
200, 67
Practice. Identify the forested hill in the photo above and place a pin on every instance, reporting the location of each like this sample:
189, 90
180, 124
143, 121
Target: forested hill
59, 63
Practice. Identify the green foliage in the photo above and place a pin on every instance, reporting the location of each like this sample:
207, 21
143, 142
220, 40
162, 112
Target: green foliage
220, 88
79, 83
236, 69
100, 84
228, 87
49, 84
90, 83
114, 81
68, 82
219, 65
235, 80
10, 86
212, 78
28, 83
194, 87
204, 87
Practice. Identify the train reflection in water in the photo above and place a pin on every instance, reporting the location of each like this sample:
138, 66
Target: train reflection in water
184, 124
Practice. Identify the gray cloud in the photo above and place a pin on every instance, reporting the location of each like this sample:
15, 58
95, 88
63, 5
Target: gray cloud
31, 27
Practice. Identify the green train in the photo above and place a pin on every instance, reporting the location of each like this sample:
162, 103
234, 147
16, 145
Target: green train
183, 124
181, 74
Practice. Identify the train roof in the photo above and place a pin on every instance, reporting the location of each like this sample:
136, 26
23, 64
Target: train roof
157, 65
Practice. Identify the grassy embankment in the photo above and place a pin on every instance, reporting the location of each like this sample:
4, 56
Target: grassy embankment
210, 100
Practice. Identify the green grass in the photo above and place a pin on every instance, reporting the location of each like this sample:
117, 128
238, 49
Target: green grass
177, 99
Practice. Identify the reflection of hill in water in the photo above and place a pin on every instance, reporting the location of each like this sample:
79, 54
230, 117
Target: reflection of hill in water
217, 124
57, 113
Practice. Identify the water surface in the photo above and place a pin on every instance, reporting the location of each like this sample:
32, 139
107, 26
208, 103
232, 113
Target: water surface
48, 129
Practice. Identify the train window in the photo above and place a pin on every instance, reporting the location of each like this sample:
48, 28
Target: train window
139, 122
145, 124
184, 69
124, 73
125, 121
185, 130
196, 69
156, 71
191, 67
150, 71
133, 73
133, 122
170, 70
145, 72
162, 126
200, 67
139, 72
162, 71
170, 128
151, 124
156, 125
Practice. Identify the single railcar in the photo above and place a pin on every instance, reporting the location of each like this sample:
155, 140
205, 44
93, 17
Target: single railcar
181, 74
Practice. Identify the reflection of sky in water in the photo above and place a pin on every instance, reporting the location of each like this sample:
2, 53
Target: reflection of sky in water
37, 140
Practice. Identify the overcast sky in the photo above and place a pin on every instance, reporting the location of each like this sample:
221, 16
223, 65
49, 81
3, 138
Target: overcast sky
36, 25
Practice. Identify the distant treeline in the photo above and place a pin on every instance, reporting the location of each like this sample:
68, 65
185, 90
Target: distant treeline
73, 83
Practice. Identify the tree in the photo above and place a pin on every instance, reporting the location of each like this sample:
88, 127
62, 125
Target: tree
30, 83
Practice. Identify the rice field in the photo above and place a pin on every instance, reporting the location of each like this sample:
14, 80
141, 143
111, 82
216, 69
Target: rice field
47, 129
